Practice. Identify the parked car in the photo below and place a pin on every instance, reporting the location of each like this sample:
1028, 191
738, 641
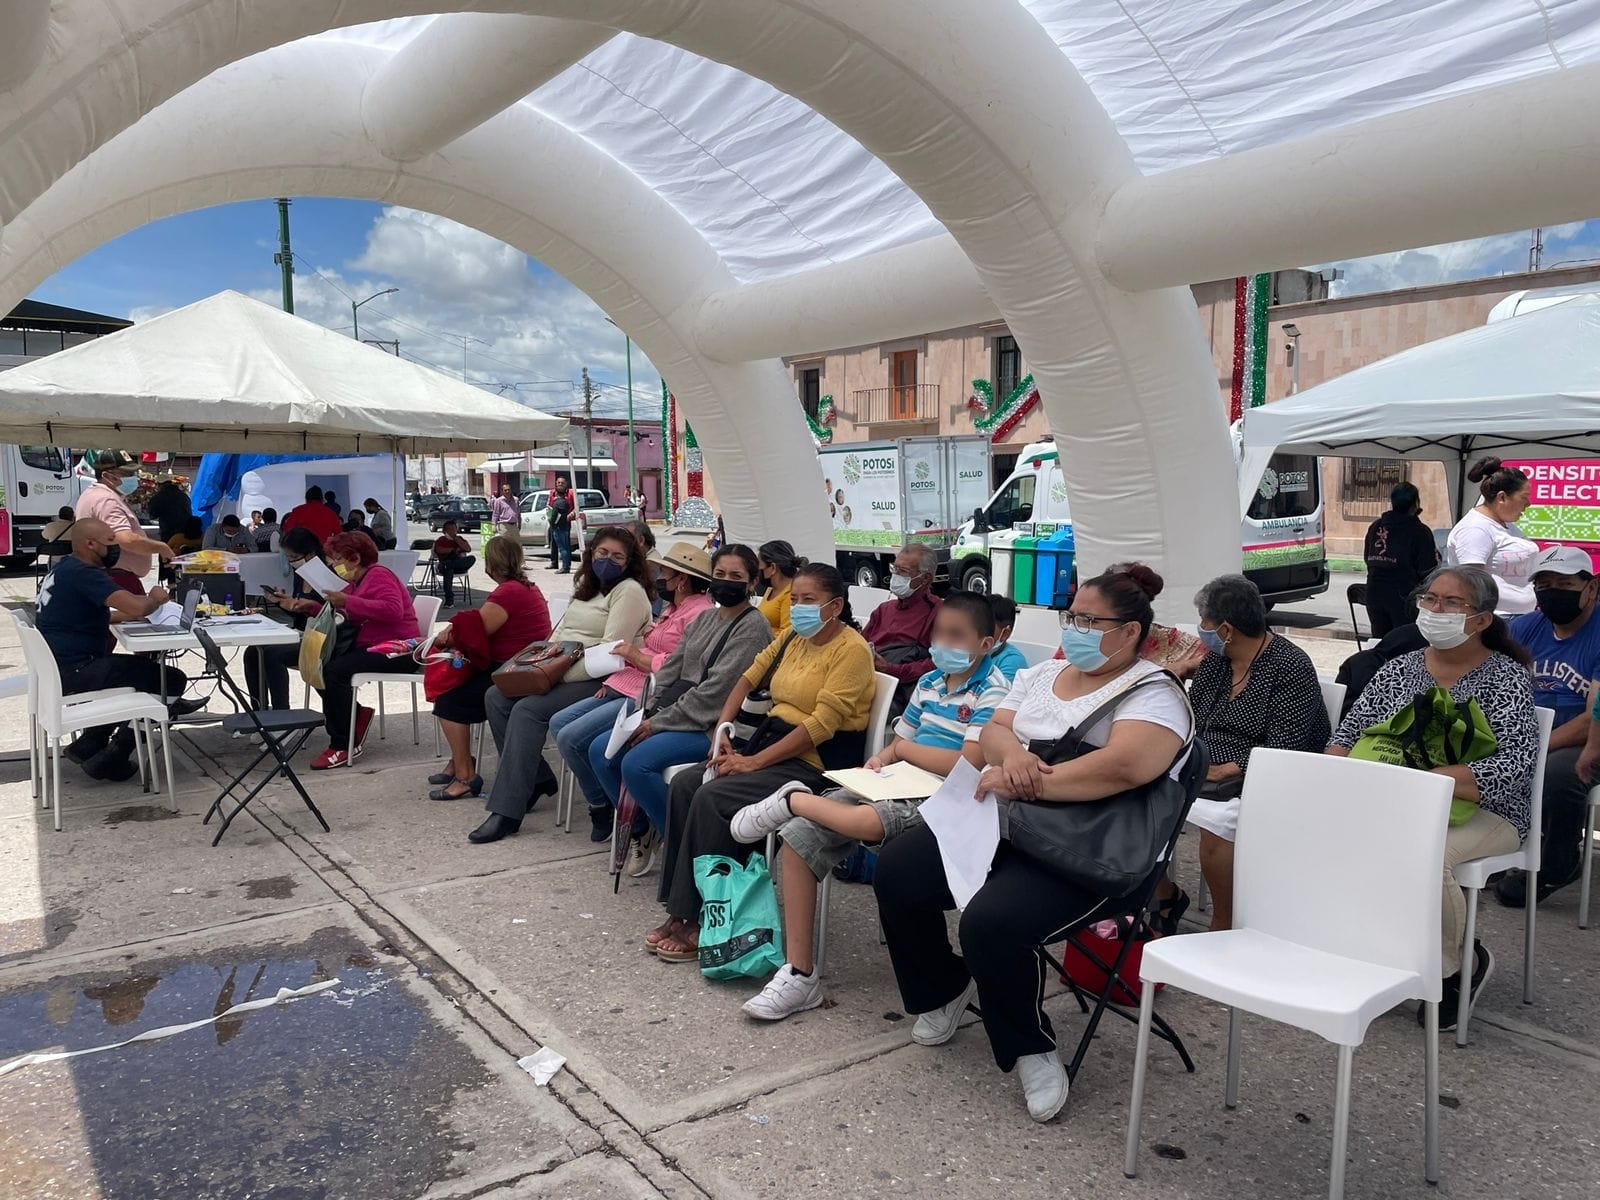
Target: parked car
420, 507
467, 511
593, 512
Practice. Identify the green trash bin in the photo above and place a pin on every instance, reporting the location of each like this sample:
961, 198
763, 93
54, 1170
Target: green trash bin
1024, 564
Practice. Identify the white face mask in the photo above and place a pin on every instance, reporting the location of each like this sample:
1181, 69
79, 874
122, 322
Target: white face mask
1444, 631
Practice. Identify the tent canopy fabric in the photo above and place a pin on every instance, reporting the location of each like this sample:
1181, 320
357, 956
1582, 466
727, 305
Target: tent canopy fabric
229, 373
1526, 387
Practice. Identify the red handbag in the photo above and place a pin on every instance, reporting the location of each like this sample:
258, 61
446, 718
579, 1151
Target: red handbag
1087, 960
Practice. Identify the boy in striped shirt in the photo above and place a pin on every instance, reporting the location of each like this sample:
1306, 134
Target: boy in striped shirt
819, 832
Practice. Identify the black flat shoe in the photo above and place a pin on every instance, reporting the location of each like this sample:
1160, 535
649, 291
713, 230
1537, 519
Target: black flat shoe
547, 785
441, 777
1164, 917
473, 786
601, 820
494, 828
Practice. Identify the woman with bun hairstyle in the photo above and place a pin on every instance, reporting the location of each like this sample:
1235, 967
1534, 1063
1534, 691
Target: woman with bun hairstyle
778, 563
1023, 904
1488, 535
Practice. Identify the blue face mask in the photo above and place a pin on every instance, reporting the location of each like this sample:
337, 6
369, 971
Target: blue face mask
606, 571
806, 619
1082, 650
1212, 640
951, 660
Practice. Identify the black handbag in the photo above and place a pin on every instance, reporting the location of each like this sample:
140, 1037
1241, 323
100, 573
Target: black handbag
1109, 846
758, 702
679, 688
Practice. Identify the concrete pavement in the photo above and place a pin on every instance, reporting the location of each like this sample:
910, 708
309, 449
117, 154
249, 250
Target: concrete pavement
456, 960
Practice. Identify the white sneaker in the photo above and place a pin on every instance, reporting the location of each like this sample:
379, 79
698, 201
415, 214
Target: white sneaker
642, 854
939, 1026
788, 992
1044, 1084
754, 821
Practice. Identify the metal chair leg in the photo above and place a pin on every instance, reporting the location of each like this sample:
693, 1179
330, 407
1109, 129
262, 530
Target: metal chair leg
35, 771
1141, 1057
55, 786
1341, 1124
1588, 866
383, 734
1231, 1094
1430, 1108
1464, 1002
824, 894
355, 708
416, 718
1530, 920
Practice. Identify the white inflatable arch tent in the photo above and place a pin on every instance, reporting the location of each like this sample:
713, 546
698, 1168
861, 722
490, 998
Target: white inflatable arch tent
736, 180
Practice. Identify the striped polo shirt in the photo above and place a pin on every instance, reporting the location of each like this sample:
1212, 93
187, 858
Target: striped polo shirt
940, 718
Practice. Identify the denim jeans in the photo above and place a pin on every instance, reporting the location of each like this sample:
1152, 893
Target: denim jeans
643, 769
561, 547
574, 729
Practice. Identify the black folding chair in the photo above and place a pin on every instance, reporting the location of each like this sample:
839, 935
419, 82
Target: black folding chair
1133, 913
1356, 594
282, 732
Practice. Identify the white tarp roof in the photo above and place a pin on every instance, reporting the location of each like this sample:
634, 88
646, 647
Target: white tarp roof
1527, 387
229, 373
774, 187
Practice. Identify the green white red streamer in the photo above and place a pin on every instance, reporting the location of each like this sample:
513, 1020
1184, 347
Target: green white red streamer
822, 424
998, 420
1251, 295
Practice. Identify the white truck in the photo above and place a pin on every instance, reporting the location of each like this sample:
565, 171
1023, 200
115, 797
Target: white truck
593, 512
1007, 547
884, 495
37, 481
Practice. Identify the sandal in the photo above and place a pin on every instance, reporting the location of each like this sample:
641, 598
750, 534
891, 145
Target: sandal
674, 949
439, 778
448, 792
1165, 915
661, 933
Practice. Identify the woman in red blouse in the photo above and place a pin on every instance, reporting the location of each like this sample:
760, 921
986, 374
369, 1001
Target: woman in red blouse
513, 615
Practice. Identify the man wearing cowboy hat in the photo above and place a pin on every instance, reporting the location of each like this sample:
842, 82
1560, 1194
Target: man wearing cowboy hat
116, 475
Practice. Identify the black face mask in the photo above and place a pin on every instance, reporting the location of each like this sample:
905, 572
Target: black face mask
729, 593
664, 590
110, 557
1559, 604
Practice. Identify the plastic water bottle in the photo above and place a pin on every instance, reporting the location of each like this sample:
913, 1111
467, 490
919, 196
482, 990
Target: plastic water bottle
227, 604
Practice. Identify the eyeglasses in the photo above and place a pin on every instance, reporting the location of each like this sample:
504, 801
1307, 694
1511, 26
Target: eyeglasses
1444, 604
1085, 622
620, 557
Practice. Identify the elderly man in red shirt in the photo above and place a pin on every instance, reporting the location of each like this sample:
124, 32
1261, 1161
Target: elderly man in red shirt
900, 630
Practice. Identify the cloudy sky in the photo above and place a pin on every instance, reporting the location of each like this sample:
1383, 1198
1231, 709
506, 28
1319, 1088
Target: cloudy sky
529, 332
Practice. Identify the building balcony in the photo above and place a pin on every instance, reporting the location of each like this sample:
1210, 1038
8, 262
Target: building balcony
905, 405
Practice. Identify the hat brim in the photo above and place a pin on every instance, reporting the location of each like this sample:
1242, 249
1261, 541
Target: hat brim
656, 558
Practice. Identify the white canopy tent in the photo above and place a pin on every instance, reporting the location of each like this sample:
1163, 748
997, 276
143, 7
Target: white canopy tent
1527, 387
234, 375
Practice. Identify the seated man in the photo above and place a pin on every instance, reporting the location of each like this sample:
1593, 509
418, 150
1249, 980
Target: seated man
452, 556
900, 629
75, 607
229, 534
1563, 636
267, 532
1007, 657
819, 832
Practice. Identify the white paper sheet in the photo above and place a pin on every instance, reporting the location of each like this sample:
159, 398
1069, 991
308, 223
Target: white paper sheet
628, 720
542, 1064
168, 615
897, 781
600, 662
320, 576
968, 831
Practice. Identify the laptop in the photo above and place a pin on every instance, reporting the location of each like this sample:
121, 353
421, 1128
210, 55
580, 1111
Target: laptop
191, 602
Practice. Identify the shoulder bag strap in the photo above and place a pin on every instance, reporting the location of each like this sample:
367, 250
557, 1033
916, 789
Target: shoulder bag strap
716, 650
772, 667
1073, 737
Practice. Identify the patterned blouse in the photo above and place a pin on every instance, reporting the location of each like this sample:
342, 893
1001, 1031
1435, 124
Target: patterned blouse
1279, 708
1502, 688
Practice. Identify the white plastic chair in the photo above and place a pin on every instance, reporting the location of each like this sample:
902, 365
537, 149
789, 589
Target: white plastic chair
1314, 826
1588, 858
863, 600
1473, 874
427, 610
56, 716
1041, 626
1035, 652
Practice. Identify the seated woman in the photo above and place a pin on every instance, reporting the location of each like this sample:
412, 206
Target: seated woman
189, 538
379, 606
1254, 689
1024, 904
685, 574
512, 616
778, 563
821, 686
716, 649
1472, 656
948, 705
610, 604
299, 547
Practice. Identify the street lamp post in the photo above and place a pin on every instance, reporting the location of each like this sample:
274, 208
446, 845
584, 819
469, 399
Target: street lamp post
355, 310
627, 345
1292, 332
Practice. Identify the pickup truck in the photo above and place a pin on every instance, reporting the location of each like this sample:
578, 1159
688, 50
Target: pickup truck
593, 512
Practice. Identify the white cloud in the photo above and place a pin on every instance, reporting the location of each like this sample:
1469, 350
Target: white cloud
145, 311
1500, 254
527, 325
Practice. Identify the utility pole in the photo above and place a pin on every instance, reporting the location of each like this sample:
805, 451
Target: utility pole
285, 256
633, 478
1536, 250
355, 310
465, 339
588, 422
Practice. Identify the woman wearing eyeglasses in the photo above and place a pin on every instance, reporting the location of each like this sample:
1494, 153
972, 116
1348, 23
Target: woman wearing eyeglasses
1024, 904
610, 604
1472, 655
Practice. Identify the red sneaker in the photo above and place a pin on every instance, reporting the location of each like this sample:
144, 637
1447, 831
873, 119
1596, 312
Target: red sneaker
329, 758
363, 720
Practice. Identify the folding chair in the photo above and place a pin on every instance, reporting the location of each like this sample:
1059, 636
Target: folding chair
1133, 913
1356, 594
282, 732
1588, 857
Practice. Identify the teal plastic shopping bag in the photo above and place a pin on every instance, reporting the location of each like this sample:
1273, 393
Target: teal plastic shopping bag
739, 931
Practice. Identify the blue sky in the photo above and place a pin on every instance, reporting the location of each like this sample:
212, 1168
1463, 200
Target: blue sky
530, 331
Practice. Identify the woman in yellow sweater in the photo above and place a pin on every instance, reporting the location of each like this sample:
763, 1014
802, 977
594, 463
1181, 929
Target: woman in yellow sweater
778, 563
821, 681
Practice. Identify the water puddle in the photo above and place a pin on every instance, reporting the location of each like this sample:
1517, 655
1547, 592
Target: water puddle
340, 1094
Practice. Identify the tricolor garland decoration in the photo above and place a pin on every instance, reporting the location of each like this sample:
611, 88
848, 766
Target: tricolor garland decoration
692, 512
669, 442
1251, 294
998, 420
822, 424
